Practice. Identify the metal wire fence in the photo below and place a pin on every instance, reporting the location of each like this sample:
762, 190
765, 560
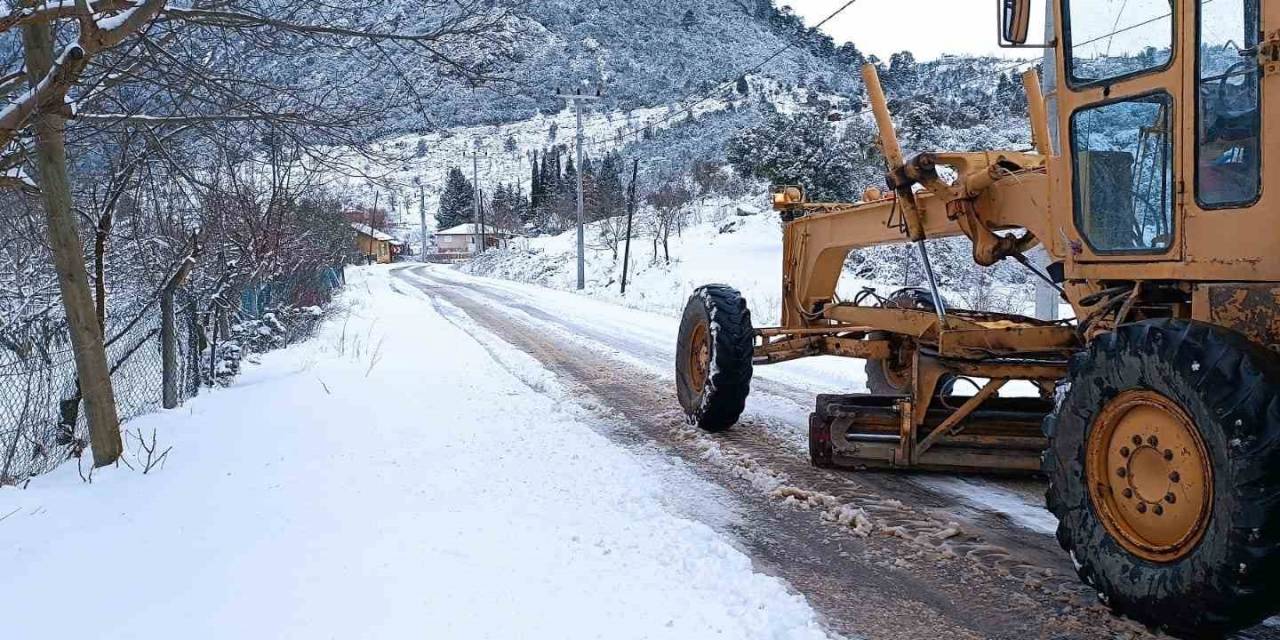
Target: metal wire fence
42, 422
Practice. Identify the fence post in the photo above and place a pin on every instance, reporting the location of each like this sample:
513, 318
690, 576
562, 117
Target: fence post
168, 332
195, 337
168, 350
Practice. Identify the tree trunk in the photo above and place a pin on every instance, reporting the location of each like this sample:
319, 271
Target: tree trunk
100, 238
68, 256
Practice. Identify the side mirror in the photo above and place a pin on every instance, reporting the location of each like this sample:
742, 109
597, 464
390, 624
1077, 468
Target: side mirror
1015, 21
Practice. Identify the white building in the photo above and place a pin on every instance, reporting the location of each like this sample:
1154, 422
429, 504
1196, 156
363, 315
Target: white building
465, 239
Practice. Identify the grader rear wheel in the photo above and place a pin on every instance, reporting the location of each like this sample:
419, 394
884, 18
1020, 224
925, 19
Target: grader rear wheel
1164, 473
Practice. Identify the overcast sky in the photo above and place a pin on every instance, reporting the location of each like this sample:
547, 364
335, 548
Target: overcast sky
927, 28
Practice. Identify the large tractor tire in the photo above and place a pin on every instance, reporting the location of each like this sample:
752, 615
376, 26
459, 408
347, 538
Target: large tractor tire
1164, 470
892, 377
713, 357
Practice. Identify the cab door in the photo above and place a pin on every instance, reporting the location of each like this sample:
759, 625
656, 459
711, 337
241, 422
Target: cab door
1232, 207
1118, 196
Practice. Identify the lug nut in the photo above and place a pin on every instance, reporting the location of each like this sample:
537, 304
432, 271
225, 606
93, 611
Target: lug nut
1137, 440
1122, 472
1168, 454
1124, 452
1142, 507
1159, 510
1153, 441
1127, 493
1174, 477
1170, 498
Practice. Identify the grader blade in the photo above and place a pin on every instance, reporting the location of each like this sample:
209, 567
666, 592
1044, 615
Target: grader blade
1003, 435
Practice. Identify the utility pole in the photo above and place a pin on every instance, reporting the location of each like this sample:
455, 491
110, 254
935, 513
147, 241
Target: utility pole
475, 191
631, 212
577, 98
422, 217
373, 242
482, 232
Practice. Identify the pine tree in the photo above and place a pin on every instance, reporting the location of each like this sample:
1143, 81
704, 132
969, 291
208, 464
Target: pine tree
690, 20
608, 199
1011, 97
457, 201
524, 209
535, 183
800, 149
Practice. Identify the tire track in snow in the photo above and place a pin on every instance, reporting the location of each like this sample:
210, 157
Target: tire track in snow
813, 525
781, 411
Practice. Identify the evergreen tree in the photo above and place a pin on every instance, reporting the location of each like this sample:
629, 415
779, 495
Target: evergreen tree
523, 208
569, 183
535, 183
503, 208
800, 149
1011, 97
457, 201
608, 198
690, 20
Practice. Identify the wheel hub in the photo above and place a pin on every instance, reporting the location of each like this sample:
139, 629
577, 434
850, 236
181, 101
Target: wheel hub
1149, 476
699, 357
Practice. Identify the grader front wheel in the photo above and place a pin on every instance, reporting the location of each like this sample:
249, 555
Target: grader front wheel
1164, 470
892, 376
713, 357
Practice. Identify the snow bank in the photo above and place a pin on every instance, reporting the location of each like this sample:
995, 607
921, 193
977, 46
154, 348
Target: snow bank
386, 479
730, 242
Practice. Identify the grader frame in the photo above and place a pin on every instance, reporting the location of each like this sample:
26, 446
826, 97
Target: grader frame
1006, 203
923, 428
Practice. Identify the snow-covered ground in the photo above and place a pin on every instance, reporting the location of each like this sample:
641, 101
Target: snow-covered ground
389, 478
729, 241
725, 240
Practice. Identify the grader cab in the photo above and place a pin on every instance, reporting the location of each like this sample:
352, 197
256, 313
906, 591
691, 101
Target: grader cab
1154, 188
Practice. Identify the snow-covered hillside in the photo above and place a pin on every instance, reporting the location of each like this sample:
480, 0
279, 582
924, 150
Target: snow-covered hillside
735, 242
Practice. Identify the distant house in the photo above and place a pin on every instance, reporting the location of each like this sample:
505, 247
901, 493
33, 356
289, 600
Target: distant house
376, 246
463, 240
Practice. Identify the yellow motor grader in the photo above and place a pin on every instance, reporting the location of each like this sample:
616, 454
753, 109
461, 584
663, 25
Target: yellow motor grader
1154, 188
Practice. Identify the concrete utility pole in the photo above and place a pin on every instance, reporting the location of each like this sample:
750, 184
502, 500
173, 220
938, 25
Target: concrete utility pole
577, 99
422, 217
475, 195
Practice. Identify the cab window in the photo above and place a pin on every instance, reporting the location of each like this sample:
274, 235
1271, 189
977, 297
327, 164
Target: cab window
1228, 153
1112, 39
1123, 155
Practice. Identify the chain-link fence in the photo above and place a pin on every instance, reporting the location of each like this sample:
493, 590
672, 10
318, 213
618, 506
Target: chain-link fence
42, 421
40, 405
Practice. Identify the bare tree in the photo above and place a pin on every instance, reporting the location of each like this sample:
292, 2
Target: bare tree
170, 79
668, 204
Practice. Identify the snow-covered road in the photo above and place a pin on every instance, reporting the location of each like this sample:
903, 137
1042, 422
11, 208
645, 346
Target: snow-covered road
457, 457
782, 394
392, 478
878, 555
